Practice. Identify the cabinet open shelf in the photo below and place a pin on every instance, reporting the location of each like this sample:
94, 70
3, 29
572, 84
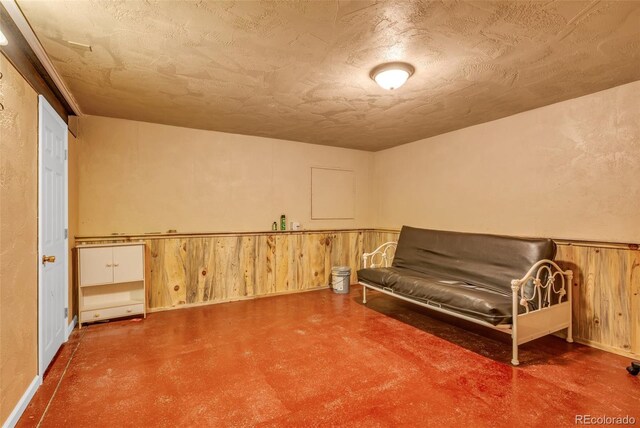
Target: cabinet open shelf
114, 304
96, 285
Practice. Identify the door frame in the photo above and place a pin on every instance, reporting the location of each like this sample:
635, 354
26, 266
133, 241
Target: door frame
43, 105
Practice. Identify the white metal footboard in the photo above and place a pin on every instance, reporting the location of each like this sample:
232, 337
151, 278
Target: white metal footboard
547, 308
380, 257
552, 313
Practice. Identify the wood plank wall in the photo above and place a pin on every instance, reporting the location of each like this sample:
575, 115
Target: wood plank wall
206, 269
606, 296
194, 270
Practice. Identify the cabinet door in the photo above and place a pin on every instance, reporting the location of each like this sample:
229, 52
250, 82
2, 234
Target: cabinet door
96, 266
128, 264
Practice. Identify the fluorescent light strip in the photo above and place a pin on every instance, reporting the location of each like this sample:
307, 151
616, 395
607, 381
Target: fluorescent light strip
80, 45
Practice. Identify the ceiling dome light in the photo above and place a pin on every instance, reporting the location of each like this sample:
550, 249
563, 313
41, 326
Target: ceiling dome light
392, 75
3, 40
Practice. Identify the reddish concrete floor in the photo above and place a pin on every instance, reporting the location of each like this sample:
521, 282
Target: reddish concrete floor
322, 359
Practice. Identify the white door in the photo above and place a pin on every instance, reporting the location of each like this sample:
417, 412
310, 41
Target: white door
52, 239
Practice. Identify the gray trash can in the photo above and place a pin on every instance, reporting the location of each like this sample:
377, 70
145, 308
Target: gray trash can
340, 278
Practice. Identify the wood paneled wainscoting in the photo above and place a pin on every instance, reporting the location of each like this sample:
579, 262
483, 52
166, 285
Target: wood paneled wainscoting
195, 269
606, 294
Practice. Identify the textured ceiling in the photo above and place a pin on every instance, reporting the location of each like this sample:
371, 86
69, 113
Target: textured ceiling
300, 70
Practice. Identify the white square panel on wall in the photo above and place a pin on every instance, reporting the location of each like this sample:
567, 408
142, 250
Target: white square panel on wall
333, 193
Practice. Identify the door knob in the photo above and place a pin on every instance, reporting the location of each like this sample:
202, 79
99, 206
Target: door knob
48, 259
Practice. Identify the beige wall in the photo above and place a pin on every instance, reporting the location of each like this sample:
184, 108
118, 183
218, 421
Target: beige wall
568, 170
18, 237
142, 177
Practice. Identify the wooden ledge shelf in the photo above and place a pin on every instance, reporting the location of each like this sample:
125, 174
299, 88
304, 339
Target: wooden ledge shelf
148, 236
113, 244
133, 238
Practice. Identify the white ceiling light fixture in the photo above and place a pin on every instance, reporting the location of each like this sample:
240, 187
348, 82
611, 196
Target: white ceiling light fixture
392, 75
3, 39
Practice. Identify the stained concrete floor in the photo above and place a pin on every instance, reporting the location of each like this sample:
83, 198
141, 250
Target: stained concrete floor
321, 359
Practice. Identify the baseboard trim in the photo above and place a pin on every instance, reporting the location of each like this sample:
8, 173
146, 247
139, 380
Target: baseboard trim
14, 417
70, 327
607, 348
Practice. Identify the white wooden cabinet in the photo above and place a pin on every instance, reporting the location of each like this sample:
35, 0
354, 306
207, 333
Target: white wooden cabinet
111, 281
